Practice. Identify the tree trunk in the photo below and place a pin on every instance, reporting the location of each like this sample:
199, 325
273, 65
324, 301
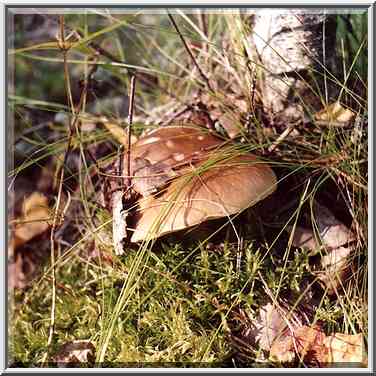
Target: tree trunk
294, 49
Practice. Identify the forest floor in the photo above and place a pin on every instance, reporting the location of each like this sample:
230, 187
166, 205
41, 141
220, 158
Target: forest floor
282, 284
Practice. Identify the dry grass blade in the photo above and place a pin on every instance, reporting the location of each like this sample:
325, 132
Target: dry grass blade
56, 218
177, 296
202, 74
129, 132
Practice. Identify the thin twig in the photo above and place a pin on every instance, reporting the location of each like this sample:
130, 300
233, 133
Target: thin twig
204, 25
143, 78
176, 115
202, 74
57, 218
56, 213
130, 121
282, 137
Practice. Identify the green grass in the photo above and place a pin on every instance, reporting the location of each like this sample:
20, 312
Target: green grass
187, 310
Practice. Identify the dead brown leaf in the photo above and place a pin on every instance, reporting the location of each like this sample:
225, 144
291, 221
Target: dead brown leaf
306, 342
35, 219
282, 350
346, 348
274, 319
335, 237
335, 112
311, 345
304, 238
333, 233
269, 325
230, 124
333, 267
75, 352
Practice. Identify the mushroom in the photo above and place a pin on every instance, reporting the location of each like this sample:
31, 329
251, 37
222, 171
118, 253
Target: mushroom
203, 178
163, 153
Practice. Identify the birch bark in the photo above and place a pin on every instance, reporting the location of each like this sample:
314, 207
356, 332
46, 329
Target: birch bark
294, 49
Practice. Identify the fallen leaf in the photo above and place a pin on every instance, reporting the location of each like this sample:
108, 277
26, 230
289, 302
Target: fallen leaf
273, 321
304, 238
333, 267
335, 112
34, 221
282, 350
16, 275
333, 233
345, 348
335, 237
305, 342
269, 325
309, 343
240, 104
312, 346
75, 352
230, 124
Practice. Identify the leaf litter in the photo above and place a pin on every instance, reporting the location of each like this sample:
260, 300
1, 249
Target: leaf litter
333, 238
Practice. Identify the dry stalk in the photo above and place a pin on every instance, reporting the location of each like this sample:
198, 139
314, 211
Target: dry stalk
282, 137
121, 202
56, 221
129, 133
202, 74
143, 78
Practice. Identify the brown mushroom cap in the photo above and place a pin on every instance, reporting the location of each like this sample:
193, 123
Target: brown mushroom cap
162, 154
172, 145
209, 191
